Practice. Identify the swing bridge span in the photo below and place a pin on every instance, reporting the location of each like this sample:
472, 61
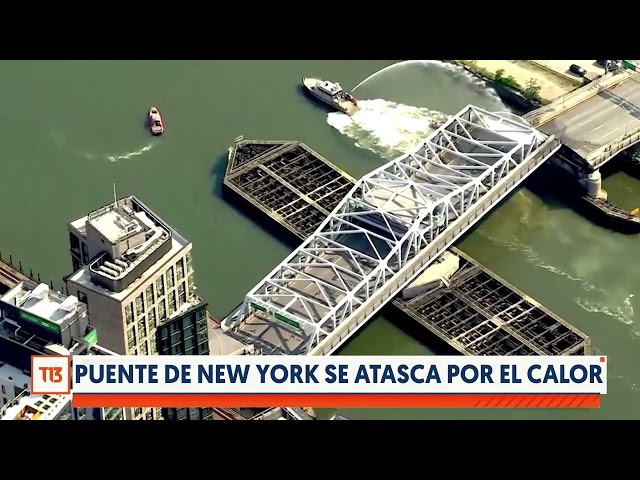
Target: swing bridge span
394, 223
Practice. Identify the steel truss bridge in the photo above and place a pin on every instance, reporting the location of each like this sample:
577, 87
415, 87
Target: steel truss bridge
395, 222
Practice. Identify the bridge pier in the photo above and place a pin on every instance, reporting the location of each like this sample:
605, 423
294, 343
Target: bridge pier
593, 184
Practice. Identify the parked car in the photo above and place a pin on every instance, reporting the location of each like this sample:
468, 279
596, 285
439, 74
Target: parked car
577, 70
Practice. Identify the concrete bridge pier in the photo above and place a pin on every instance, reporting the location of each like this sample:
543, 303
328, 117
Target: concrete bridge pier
593, 184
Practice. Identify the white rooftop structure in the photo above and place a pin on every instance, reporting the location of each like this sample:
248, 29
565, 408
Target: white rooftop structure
37, 407
127, 243
43, 302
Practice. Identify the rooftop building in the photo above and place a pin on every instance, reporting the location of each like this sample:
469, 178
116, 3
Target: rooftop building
37, 407
35, 320
135, 273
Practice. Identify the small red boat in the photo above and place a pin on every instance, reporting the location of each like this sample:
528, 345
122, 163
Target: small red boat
156, 125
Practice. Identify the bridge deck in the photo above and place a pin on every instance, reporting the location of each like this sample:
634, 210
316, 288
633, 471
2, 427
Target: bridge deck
391, 217
600, 120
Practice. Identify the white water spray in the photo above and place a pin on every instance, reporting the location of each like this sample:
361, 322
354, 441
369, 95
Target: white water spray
390, 129
386, 128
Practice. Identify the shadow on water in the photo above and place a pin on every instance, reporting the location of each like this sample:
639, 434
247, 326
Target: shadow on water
145, 124
241, 206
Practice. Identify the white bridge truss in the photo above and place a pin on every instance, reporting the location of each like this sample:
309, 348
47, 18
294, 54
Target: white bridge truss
388, 217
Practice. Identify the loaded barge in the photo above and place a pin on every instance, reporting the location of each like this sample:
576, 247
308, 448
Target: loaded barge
456, 300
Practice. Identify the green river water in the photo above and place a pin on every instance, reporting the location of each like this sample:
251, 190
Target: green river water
70, 129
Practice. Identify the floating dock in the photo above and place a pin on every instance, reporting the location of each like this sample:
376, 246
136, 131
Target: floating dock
478, 313
467, 306
288, 181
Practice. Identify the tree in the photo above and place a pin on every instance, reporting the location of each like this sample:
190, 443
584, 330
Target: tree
532, 90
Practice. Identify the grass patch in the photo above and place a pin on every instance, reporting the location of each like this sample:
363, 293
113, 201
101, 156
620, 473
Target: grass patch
530, 90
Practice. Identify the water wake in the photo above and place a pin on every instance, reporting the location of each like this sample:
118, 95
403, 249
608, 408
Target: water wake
390, 129
624, 313
386, 128
116, 158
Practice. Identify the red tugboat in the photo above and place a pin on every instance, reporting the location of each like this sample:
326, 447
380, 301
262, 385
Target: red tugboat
156, 125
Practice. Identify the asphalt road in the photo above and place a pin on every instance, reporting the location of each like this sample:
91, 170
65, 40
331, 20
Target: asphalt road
599, 120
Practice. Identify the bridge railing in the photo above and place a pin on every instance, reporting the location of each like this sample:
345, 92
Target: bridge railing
542, 115
424, 258
598, 157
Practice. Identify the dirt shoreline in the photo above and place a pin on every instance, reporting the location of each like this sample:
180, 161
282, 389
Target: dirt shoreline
552, 85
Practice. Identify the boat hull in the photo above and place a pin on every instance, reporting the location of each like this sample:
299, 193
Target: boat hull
154, 129
347, 108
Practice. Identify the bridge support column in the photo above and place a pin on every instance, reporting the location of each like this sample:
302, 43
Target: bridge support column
594, 185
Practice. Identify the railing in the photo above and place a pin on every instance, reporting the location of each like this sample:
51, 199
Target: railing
422, 259
15, 401
598, 157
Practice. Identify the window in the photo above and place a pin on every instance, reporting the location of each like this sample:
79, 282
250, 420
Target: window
189, 266
85, 254
172, 302
142, 328
180, 269
162, 313
191, 286
75, 244
151, 319
139, 304
182, 295
131, 339
201, 323
4, 389
82, 297
143, 349
128, 313
137, 412
149, 295
170, 278
160, 286
153, 347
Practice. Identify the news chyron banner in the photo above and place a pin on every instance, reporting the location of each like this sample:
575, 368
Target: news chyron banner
333, 382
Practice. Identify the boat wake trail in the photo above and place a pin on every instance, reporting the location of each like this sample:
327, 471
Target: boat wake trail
602, 301
117, 158
386, 128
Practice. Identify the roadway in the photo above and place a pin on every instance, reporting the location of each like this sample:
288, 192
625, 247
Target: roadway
600, 120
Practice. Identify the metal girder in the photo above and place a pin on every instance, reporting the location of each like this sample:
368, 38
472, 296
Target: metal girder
386, 219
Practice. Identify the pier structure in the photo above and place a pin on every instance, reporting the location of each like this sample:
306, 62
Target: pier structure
478, 313
10, 276
288, 181
392, 225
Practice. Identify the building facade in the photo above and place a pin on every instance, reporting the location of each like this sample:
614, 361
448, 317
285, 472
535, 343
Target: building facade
135, 273
35, 320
